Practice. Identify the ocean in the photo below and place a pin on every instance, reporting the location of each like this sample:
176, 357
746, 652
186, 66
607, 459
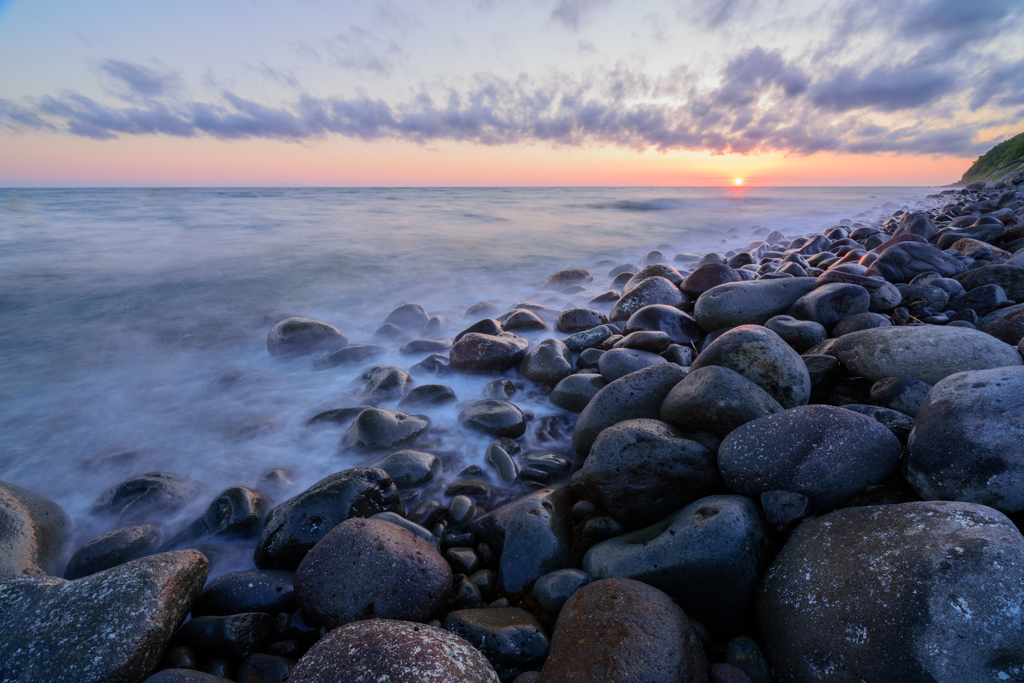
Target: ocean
135, 320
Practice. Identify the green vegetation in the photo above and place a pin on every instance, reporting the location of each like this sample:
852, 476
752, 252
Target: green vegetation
1005, 157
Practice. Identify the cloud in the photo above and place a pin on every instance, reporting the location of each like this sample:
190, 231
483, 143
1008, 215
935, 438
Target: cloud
886, 89
573, 13
358, 49
137, 81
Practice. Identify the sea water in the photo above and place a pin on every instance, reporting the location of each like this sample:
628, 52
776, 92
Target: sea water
134, 321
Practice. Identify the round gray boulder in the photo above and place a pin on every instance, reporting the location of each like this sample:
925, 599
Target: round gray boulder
298, 336
653, 290
716, 399
748, 303
828, 304
575, 391
550, 362
620, 362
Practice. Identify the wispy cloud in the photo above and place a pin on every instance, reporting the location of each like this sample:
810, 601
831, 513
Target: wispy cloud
573, 13
132, 81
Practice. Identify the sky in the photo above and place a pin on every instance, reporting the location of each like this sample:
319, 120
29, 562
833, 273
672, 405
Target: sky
517, 92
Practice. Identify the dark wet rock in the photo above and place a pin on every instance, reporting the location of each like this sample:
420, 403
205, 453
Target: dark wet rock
147, 497
532, 536
679, 326
465, 595
414, 346
884, 295
1008, 328
637, 395
299, 336
275, 484
262, 668
622, 268
915, 223
411, 527
599, 529
588, 339
472, 487
985, 232
427, 396
707, 556
494, 417
488, 326
903, 262
521, 319
589, 359
434, 364
389, 332
180, 657
235, 635
828, 304
902, 394
707, 276
411, 318
34, 533
552, 590
342, 417
550, 362
389, 651
111, 626
604, 299
860, 321
579, 319
618, 363
296, 525
823, 452
500, 389
716, 399
380, 429
982, 299
371, 569
645, 340
482, 353
896, 422
350, 355
661, 270
800, 334
484, 309
237, 512
823, 371
915, 592
548, 315
784, 507
260, 590
502, 464
621, 631
894, 241
113, 549
382, 383
925, 352
640, 470
511, 638
570, 276
678, 354
748, 303
409, 469
1008, 276
462, 560
968, 440
575, 391
654, 256
762, 357
654, 290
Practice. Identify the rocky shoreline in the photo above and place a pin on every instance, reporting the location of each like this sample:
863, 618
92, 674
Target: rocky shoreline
800, 461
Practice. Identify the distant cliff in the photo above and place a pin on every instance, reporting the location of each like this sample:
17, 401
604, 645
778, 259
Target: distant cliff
1003, 160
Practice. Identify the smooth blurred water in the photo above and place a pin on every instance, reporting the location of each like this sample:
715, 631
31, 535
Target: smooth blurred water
120, 306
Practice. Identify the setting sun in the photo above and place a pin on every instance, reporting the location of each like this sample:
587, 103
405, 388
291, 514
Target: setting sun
738, 181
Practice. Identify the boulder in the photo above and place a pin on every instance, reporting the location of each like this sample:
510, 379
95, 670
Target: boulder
494, 417
623, 631
822, 452
679, 326
350, 355
884, 295
575, 391
903, 262
579, 319
640, 470
829, 304
147, 497
371, 569
521, 319
1008, 328
707, 556
296, 525
485, 353
902, 394
409, 317
1008, 276
567, 277
382, 383
618, 363
380, 429
748, 303
926, 591
662, 270
762, 357
800, 334
112, 626
511, 638
235, 635
300, 336
925, 352
113, 549
389, 651
409, 469
588, 339
968, 440
258, 590
860, 321
716, 399
915, 223
552, 590
427, 396
653, 290
550, 362
236, 513
707, 276
34, 533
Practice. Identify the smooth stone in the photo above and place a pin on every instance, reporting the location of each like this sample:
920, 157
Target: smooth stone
823, 452
409, 469
389, 332
927, 591
983, 298
716, 399
1009, 276
390, 651
350, 355
552, 590
902, 394
707, 276
500, 389
549, 363
1008, 328
382, 383
748, 303
146, 498
410, 317
502, 464
679, 326
765, 359
234, 635
896, 422
588, 339
298, 336
619, 362
414, 346
800, 334
296, 525
380, 429
113, 549
623, 631
521, 319
259, 590
371, 569
637, 395
828, 304
569, 276
915, 223
968, 440
427, 396
784, 507
860, 321
903, 262
237, 512
488, 326
34, 533
640, 470
511, 638
589, 359
579, 320
575, 391
648, 292
707, 556
678, 354
622, 268
494, 417
644, 340
484, 353
662, 270
434, 364
411, 527
925, 352
111, 626
884, 295
532, 536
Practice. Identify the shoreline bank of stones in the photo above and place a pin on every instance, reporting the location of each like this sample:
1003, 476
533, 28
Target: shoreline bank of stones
798, 461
